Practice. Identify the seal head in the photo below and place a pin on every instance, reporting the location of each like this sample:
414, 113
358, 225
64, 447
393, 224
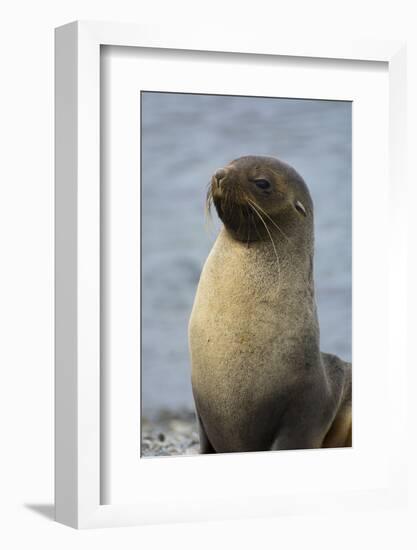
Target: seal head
252, 190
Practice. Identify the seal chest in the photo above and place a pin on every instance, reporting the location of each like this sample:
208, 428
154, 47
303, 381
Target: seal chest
258, 377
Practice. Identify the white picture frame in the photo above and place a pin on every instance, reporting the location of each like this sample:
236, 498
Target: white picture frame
78, 404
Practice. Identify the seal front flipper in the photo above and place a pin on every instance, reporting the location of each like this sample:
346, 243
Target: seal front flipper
305, 422
292, 440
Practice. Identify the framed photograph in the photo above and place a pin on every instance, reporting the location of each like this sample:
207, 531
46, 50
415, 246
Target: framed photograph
244, 363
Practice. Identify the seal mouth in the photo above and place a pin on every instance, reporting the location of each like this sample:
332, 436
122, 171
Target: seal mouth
238, 210
230, 202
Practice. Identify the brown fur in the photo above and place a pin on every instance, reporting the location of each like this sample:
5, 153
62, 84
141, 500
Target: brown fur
259, 379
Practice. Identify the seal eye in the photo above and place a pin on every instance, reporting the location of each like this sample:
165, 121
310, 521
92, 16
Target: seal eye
262, 184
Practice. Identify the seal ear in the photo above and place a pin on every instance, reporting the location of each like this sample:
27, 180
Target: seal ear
300, 208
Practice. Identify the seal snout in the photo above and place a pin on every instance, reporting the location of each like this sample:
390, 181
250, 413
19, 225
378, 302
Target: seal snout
219, 176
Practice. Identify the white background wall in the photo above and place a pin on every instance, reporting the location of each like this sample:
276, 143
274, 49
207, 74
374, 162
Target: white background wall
26, 269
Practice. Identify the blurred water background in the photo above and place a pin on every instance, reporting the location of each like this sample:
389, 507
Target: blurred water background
185, 138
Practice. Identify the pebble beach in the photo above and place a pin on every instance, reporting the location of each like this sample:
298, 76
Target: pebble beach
170, 434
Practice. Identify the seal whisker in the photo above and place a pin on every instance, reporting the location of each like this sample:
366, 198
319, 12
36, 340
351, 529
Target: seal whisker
207, 211
252, 219
209, 201
272, 241
269, 217
249, 213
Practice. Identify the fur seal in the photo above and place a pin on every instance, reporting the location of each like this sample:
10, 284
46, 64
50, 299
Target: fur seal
259, 379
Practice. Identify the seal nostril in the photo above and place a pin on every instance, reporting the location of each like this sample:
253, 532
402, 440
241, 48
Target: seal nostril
220, 174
